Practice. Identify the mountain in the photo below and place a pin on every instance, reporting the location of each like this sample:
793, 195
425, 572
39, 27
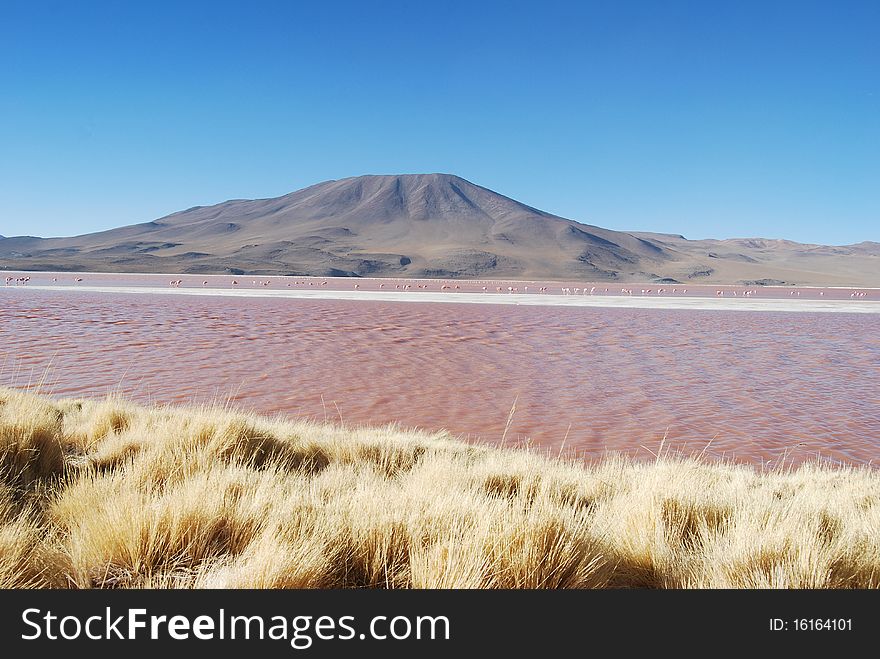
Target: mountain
426, 225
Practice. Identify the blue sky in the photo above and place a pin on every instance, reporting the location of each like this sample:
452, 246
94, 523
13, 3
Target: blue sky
701, 118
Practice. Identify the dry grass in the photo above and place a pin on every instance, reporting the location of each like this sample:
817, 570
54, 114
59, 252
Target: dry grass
107, 494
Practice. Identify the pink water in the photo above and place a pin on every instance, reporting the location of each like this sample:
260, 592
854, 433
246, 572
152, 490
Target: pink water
759, 386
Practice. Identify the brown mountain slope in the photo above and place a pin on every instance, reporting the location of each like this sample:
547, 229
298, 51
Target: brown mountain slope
424, 225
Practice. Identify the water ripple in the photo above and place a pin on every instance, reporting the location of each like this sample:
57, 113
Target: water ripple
754, 386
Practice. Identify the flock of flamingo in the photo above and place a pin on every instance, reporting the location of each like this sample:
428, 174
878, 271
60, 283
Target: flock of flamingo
452, 286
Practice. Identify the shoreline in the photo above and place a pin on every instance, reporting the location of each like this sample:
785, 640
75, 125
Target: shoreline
524, 299
475, 280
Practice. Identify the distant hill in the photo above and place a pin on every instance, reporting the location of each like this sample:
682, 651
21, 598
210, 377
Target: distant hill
427, 225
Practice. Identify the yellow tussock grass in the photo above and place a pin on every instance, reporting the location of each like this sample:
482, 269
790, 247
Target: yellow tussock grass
108, 494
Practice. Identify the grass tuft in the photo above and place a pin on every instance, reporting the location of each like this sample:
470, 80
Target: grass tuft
107, 494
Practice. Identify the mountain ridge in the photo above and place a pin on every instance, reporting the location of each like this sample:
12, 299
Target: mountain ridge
427, 225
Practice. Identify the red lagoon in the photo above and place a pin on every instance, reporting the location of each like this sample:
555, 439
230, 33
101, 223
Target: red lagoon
752, 386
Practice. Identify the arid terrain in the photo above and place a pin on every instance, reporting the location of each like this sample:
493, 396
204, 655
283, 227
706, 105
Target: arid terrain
106, 494
429, 226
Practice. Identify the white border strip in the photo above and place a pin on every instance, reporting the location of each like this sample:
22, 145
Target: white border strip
600, 301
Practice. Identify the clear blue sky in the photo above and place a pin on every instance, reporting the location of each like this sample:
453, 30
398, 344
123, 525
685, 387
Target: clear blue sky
702, 118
